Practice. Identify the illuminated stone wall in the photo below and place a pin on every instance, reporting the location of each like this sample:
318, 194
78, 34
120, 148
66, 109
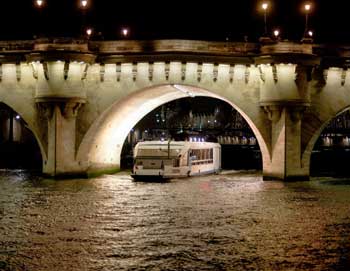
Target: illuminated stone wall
81, 100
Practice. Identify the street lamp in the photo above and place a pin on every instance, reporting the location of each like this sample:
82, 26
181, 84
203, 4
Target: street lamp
39, 3
125, 32
89, 32
83, 4
265, 6
276, 34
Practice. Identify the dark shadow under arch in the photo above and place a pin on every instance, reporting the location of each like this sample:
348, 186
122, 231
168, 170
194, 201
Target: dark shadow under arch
19, 148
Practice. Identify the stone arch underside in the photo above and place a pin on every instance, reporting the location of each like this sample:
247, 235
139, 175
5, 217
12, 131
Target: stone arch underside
28, 112
101, 147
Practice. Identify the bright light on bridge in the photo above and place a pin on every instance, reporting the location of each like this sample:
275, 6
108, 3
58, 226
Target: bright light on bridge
89, 32
125, 32
39, 3
307, 7
84, 3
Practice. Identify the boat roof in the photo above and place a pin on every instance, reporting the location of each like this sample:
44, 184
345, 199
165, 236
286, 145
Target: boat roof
173, 144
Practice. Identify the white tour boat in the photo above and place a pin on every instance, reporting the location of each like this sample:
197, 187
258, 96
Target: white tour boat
173, 159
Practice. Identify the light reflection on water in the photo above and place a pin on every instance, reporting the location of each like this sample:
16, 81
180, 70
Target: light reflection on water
230, 221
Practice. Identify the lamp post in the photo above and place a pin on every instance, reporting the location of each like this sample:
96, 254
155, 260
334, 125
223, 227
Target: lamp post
265, 6
307, 9
83, 6
308, 34
39, 4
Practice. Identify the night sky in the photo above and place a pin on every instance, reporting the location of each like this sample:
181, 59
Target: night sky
215, 20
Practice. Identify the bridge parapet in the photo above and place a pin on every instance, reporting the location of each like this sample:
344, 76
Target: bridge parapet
61, 44
286, 47
244, 53
175, 46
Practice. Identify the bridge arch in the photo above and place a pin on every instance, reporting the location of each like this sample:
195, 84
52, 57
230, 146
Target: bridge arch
317, 133
27, 118
101, 147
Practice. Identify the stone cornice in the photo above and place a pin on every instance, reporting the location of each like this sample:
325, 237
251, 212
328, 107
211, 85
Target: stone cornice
68, 56
174, 50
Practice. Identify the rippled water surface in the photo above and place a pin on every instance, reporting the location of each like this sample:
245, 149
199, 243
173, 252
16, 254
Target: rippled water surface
230, 221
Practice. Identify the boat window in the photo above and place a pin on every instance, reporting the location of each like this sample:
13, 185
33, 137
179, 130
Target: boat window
158, 152
176, 163
201, 156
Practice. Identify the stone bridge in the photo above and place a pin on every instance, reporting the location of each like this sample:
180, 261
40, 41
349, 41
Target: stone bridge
81, 98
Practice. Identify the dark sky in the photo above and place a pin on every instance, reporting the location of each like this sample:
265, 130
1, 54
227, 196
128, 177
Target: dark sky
205, 20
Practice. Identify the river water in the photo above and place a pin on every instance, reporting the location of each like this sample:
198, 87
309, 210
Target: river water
231, 221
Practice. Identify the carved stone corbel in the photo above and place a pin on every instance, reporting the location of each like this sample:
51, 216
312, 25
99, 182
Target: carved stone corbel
70, 109
34, 70
45, 109
274, 73
84, 75
343, 77
150, 71
296, 112
247, 74
65, 70
167, 70
46, 71
262, 74
183, 71
18, 72
134, 71
273, 112
102, 72
231, 73
118, 70
320, 76
215, 72
199, 72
